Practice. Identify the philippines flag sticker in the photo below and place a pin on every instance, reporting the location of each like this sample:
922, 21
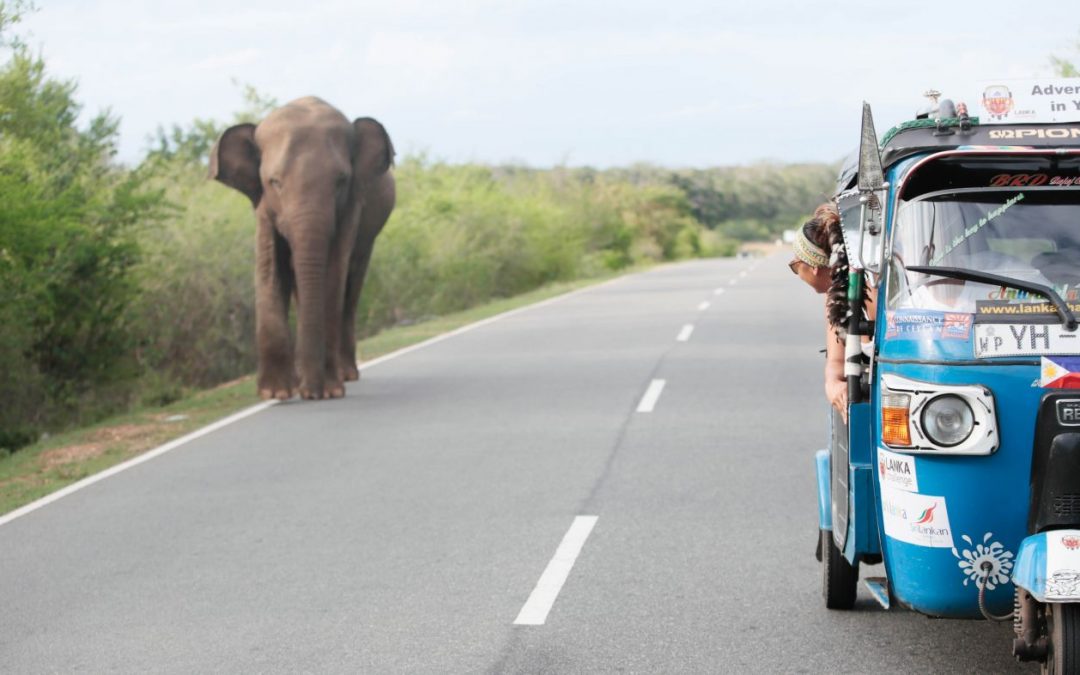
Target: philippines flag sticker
1060, 372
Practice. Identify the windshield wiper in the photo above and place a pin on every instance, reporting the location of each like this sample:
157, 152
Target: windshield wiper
1067, 317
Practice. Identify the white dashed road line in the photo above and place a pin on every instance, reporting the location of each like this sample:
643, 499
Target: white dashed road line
684, 334
718, 291
536, 608
703, 306
733, 282
652, 395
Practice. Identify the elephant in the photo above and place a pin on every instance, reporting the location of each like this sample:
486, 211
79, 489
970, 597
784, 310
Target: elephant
322, 190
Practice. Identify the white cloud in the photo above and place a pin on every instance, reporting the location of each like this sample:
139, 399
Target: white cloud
235, 59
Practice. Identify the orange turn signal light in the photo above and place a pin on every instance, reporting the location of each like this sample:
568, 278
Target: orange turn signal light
895, 423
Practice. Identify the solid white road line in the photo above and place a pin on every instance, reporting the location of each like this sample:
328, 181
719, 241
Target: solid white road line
135, 461
684, 334
536, 608
652, 395
703, 306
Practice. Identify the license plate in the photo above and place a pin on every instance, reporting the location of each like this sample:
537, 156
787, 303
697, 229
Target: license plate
1024, 339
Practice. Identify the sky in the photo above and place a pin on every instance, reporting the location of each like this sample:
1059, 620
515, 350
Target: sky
678, 83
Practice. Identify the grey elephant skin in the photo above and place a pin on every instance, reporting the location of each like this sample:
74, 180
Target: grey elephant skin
322, 189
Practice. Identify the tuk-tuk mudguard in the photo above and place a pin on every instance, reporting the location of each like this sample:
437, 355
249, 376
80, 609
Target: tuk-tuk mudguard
1048, 566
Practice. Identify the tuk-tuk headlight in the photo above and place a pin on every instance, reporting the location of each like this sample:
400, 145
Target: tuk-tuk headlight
948, 420
941, 419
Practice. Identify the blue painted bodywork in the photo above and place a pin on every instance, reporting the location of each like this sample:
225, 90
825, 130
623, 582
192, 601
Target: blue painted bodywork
862, 539
984, 495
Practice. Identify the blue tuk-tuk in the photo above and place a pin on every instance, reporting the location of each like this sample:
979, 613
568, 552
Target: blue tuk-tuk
958, 465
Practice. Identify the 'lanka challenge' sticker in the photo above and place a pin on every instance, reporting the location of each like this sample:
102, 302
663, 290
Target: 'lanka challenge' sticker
917, 519
897, 471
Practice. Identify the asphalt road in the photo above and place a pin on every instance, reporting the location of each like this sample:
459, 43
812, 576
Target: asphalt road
405, 527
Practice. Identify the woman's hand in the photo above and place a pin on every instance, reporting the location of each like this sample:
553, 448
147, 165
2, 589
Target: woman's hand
836, 392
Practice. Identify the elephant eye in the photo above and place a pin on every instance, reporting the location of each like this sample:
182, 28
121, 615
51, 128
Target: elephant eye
275, 183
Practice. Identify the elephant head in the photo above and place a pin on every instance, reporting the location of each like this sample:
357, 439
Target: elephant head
321, 189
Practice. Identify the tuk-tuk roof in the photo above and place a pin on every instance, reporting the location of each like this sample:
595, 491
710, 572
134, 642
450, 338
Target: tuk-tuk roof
925, 135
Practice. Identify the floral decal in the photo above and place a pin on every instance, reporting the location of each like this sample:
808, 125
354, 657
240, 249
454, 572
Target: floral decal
977, 556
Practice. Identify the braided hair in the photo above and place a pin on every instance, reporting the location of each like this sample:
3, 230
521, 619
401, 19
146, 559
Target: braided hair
825, 231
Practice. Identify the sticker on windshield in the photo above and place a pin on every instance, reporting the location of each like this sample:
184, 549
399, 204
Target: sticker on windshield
1024, 339
1032, 180
1006, 311
913, 324
927, 324
975, 227
956, 326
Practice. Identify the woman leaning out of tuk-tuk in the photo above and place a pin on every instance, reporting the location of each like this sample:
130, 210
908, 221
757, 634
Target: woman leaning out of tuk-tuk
821, 261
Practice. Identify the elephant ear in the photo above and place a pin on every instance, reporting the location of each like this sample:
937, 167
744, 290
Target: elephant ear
234, 161
375, 152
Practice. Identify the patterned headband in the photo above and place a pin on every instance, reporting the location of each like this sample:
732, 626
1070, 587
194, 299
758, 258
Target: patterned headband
808, 252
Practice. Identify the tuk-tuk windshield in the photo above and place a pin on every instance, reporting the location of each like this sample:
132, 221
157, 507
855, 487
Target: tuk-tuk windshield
1028, 234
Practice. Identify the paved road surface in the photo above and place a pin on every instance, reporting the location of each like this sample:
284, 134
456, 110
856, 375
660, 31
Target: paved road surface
404, 528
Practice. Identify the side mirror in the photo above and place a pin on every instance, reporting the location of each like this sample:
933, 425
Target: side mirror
872, 190
860, 221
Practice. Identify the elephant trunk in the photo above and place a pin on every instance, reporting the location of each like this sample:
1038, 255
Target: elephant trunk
311, 254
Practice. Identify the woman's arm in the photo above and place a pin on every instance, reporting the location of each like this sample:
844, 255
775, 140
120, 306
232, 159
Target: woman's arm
835, 384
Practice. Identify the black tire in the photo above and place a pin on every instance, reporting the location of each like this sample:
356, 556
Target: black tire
840, 577
1064, 630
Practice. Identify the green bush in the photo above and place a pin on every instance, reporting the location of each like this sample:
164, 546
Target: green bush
195, 311
66, 250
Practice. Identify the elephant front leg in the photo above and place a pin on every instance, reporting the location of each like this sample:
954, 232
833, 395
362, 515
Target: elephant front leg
357, 271
276, 376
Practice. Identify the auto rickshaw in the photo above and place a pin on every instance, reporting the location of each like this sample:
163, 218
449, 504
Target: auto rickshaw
958, 465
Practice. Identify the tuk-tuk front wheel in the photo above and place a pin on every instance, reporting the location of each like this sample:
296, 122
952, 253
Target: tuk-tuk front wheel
841, 578
1064, 629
